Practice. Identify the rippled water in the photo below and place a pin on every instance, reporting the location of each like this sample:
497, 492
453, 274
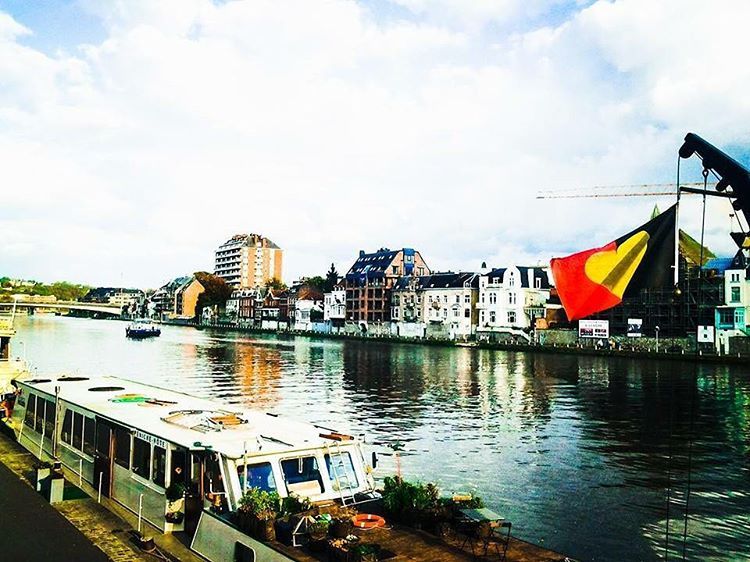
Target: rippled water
575, 451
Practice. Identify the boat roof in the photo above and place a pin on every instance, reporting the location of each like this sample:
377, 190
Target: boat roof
188, 421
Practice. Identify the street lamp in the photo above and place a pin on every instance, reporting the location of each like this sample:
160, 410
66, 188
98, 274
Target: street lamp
657, 339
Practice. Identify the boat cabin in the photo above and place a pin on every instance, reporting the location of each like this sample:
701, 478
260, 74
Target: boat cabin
142, 446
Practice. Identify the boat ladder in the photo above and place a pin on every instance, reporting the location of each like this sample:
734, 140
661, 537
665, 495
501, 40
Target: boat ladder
346, 491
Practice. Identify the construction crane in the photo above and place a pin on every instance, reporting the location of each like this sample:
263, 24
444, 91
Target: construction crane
635, 190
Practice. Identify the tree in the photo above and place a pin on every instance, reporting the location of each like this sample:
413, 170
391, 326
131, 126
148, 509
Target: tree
332, 277
317, 282
216, 291
275, 284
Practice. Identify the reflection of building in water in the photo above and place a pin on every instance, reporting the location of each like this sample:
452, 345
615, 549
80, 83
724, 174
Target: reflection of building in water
258, 369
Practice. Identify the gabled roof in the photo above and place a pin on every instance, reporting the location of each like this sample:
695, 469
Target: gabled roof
720, 265
439, 280
535, 272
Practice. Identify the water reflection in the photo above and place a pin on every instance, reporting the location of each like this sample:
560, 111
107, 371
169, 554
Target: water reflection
574, 450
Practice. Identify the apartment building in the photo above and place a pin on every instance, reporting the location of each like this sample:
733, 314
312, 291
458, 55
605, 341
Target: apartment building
248, 261
369, 281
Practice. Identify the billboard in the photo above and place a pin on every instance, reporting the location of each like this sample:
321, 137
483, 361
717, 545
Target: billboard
593, 329
635, 327
706, 334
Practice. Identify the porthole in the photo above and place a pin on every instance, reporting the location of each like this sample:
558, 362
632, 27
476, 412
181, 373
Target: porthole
106, 388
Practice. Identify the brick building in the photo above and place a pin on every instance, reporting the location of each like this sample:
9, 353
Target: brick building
370, 279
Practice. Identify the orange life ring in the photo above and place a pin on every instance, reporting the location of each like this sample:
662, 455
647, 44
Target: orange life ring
368, 521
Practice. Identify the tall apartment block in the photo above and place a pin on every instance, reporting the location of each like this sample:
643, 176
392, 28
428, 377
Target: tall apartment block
248, 260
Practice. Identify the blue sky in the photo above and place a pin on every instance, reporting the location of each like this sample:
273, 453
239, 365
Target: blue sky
163, 127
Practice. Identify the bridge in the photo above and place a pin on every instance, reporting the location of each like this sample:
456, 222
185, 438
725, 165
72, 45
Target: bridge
97, 307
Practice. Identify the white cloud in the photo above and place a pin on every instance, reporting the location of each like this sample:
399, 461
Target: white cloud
329, 131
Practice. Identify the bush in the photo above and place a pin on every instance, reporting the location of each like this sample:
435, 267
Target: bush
294, 504
175, 491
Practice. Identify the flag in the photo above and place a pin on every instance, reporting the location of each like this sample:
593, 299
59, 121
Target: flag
600, 278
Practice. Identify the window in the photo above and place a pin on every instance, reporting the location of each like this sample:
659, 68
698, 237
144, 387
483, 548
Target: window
89, 430
420, 271
735, 278
445, 299
511, 298
77, 431
445, 313
455, 312
458, 299
394, 269
481, 316
258, 476
467, 313
493, 298
122, 447
492, 316
159, 466
141, 457
511, 280
537, 282
39, 418
341, 471
735, 294
511, 318
30, 410
49, 418
67, 428
396, 299
726, 316
467, 299
302, 476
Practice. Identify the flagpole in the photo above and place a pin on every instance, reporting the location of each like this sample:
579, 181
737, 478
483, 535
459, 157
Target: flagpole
677, 229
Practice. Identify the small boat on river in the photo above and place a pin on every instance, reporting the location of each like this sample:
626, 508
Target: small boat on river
142, 329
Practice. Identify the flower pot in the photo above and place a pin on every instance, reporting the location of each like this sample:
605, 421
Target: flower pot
284, 530
264, 530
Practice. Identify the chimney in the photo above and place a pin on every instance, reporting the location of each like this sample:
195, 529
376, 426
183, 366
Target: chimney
361, 253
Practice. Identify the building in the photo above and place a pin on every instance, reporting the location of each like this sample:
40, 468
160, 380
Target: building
248, 261
118, 296
732, 314
439, 305
307, 307
177, 299
369, 281
274, 311
510, 301
334, 308
240, 307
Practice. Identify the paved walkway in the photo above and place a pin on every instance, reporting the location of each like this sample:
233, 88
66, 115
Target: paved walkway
33, 530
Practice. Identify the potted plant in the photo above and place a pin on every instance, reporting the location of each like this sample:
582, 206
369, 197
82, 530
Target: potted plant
291, 511
256, 513
318, 532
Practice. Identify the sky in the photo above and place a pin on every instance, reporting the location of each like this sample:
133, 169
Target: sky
138, 135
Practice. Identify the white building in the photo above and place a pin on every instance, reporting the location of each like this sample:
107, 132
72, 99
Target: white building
510, 299
440, 305
334, 308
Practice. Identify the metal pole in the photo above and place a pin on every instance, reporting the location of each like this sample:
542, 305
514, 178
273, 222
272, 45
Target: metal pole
140, 511
80, 472
99, 499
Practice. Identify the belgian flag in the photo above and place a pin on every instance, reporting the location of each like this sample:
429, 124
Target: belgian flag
600, 278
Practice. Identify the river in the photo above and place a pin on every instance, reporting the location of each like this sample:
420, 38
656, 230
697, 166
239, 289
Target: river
575, 451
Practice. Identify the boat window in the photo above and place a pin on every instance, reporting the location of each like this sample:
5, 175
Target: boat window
160, 465
122, 447
78, 431
141, 457
341, 471
258, 476
49, 418
106, 388
30, 409
39, 425
302, 476
179, 458
103, 440
67, 428
89, 428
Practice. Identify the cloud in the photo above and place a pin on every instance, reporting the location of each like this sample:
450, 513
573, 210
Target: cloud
330, 130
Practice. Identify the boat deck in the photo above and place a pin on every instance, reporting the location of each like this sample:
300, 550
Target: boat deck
403, 543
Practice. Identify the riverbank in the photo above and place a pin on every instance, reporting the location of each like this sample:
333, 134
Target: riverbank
623, 352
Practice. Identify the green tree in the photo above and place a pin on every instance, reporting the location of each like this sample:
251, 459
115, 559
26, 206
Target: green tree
275, 284
317, 282
332, 277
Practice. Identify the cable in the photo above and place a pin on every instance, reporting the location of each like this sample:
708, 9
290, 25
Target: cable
695, 380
